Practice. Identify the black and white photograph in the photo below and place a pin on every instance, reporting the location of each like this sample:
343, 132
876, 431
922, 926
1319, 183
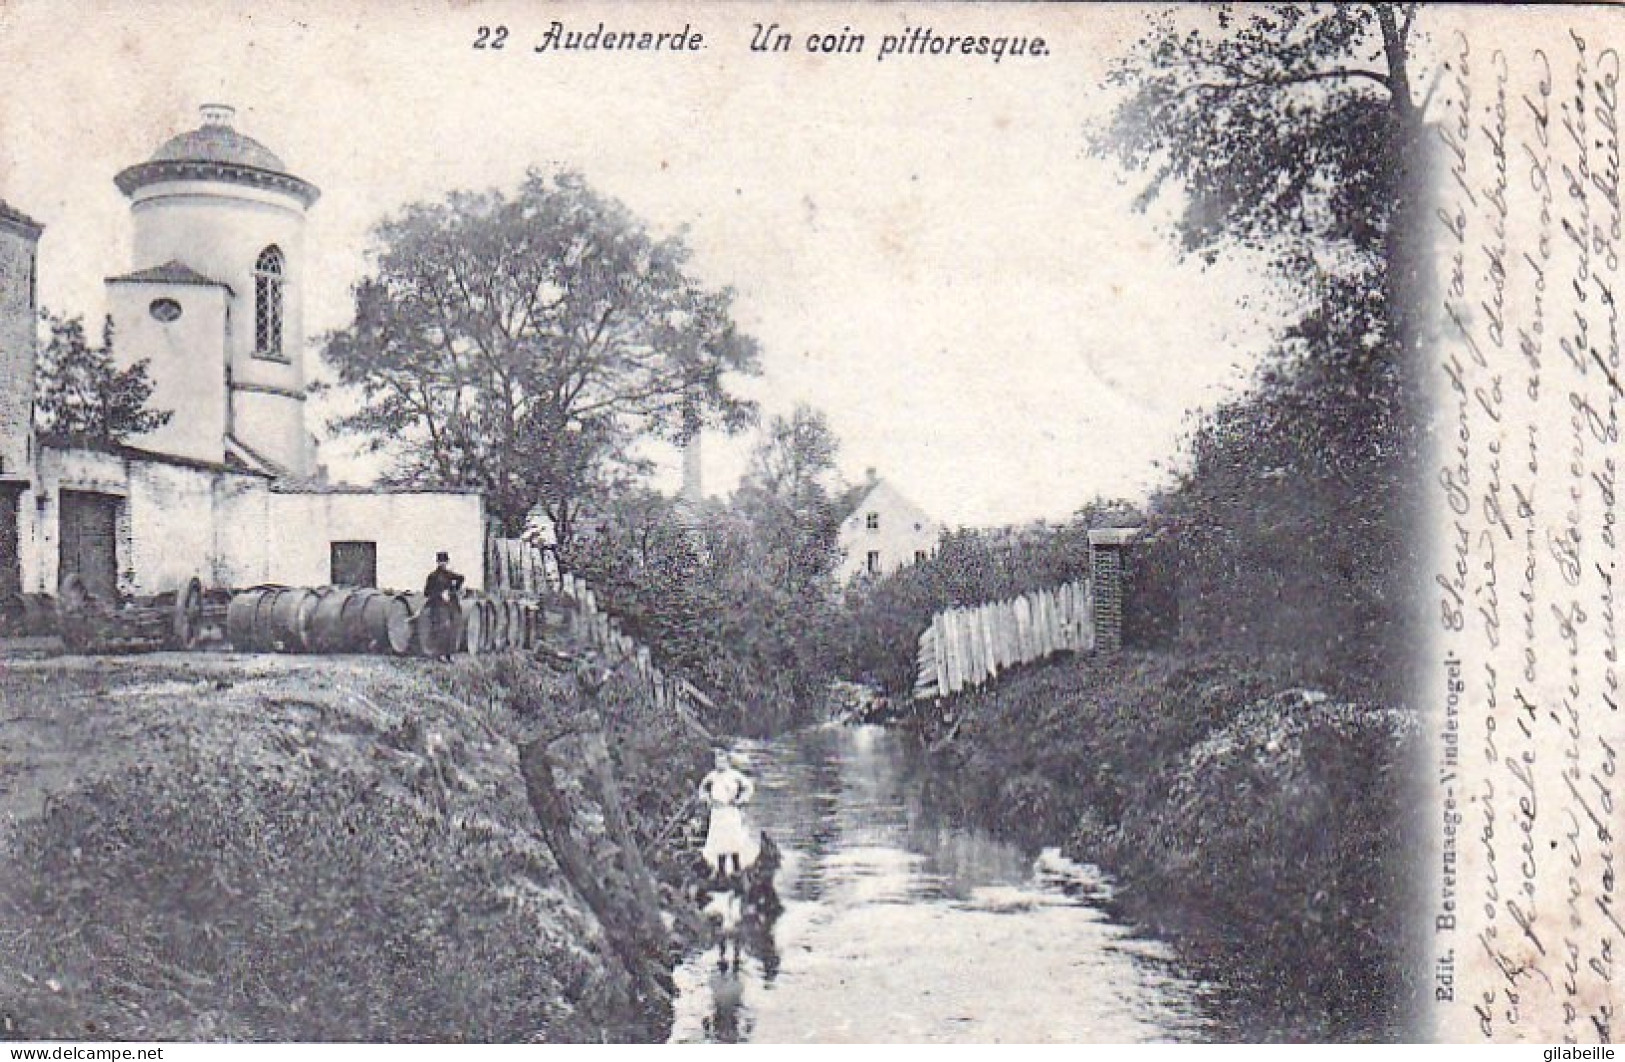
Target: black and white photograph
813, 522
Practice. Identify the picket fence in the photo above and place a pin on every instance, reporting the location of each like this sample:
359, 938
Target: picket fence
515, 567
966, 647
598, 629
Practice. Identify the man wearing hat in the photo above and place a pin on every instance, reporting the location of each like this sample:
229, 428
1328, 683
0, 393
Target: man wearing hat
440, 591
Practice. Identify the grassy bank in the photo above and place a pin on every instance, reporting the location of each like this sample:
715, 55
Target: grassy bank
1258, 824
205, 847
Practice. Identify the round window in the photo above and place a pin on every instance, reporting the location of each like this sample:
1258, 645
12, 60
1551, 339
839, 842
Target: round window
165, 310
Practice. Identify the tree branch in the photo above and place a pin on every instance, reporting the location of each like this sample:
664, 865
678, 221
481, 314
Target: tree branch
1286, 80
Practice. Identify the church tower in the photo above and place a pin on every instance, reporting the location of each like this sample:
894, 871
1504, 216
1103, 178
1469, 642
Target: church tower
215, 299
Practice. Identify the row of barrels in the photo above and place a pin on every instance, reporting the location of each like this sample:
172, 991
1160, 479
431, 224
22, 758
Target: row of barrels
348, 619
490, 626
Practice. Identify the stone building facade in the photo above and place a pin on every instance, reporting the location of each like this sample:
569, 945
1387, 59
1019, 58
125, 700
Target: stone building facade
19, 243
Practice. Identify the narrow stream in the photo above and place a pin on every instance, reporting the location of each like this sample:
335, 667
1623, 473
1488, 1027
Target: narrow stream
899, 925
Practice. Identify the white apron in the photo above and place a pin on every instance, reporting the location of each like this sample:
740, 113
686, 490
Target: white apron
728, 834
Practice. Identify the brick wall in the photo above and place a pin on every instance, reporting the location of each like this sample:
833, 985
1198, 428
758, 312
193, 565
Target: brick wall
1106, 548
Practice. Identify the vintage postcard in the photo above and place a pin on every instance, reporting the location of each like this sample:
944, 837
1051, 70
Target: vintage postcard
712, 522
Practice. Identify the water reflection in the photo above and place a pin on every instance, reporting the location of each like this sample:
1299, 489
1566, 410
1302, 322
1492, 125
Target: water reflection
900, 924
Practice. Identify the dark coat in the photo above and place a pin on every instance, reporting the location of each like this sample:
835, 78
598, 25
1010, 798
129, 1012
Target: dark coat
442, 586
440, 590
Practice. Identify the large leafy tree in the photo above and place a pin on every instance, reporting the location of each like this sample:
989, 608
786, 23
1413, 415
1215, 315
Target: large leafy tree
1291, 129
1292, 132
81, 391
770, 559
787, 497
524, 343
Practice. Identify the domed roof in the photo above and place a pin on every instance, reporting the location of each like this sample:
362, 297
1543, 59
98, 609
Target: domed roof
218, 143
216, 151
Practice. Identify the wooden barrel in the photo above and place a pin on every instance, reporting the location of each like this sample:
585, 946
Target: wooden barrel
240, 618
488, 622
243, 623
490, 618
353, 620
421, 635
472, 628
399, 636
477, 635
505, 624
337, 624
527, 628
516, 625
386, 621
290, 616
499, 626
372, 633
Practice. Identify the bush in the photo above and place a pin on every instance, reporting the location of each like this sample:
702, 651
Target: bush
1266, 831
1293, 524
1285, 830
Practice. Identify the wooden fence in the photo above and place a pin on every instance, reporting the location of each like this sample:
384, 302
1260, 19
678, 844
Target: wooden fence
965, 647
516, 567
598, 629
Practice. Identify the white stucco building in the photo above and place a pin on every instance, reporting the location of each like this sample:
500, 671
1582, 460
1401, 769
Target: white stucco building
216, 296
230, 490
885, 532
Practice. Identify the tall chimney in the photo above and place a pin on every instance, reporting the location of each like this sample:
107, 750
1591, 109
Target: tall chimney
693, 489
693, 492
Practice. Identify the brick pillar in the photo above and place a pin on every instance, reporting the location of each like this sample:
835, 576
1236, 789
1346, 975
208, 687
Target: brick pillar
1106, 546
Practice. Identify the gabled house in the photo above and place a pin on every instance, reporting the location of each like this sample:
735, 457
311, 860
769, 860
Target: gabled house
885, 531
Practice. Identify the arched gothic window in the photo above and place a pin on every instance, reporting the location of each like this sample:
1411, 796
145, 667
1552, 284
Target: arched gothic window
269, 276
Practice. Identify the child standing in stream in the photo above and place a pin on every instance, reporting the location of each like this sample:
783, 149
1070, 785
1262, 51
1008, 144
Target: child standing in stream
725, 789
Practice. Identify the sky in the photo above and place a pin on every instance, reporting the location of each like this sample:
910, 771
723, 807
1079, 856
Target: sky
923, 246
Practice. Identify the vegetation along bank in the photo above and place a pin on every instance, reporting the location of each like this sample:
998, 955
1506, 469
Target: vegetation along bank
212, 846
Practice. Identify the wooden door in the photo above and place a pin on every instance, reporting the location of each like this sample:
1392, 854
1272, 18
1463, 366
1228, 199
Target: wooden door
88, 541
11, 569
